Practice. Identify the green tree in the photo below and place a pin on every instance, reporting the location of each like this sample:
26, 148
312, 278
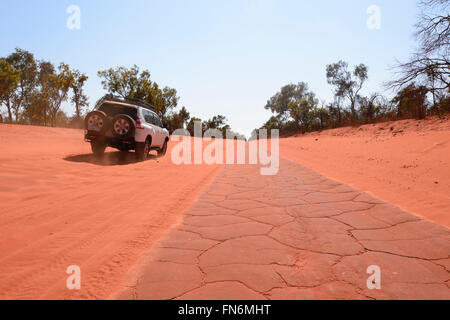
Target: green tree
273, 123
134, 84
79, 99
411, 101
37, 111
347, 83
219, 123
61, 119
36, 108
9, 79
294, 102
166, 100
323, 116
302, 110
178, 120
373, 107
60, 83
279, 103
216, 122
444, 104
22, 61
184, 114
191, 123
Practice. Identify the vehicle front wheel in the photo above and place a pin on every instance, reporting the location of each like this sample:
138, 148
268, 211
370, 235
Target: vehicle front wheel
98, 148
142, 150
162, 152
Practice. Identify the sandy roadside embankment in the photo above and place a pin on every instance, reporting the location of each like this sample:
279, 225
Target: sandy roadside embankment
59, 206
406, 163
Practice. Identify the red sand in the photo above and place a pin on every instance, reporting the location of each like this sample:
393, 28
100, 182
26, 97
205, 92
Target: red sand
408, 165
58, 210
61, 207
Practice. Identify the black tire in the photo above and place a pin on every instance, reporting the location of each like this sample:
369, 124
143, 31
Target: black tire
143, 149
98, 148
162, 152
123, 126
96, 122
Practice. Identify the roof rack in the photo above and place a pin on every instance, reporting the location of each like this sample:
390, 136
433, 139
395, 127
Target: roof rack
139, 102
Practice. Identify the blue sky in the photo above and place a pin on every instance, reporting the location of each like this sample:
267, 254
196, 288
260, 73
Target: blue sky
223, 57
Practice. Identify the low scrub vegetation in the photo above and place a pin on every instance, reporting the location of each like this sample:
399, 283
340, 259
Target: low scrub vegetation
421, 85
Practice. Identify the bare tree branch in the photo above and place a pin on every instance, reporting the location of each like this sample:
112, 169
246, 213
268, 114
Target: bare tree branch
430, 65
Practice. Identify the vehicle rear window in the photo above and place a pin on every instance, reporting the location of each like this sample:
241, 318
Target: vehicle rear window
113, 110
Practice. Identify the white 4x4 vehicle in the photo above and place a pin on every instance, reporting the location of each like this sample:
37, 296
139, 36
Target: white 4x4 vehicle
125, 125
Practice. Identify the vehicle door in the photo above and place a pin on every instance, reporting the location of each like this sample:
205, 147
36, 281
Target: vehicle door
149, 124
158, 129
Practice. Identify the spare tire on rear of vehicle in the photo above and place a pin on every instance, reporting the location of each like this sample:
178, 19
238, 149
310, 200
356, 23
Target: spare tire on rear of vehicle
96, 122
123, 126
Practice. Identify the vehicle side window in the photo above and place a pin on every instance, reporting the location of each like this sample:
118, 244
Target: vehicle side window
151, 118
147, 116
157, 121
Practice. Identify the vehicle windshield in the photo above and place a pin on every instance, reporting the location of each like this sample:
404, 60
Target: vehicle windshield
112, 110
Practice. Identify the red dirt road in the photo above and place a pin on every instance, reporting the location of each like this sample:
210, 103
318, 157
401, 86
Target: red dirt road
295, 235
61, 207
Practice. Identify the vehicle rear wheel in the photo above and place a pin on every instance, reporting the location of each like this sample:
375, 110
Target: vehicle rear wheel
123, 126
98, 148
142, 150
162, 152
96, 122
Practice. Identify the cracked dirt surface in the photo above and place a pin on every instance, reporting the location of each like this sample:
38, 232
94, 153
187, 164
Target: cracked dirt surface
295, 235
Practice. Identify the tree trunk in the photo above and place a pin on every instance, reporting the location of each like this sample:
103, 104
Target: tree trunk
438, 108
77, 110
339, 116
8, 106
53, 119
352, 108
302, 126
